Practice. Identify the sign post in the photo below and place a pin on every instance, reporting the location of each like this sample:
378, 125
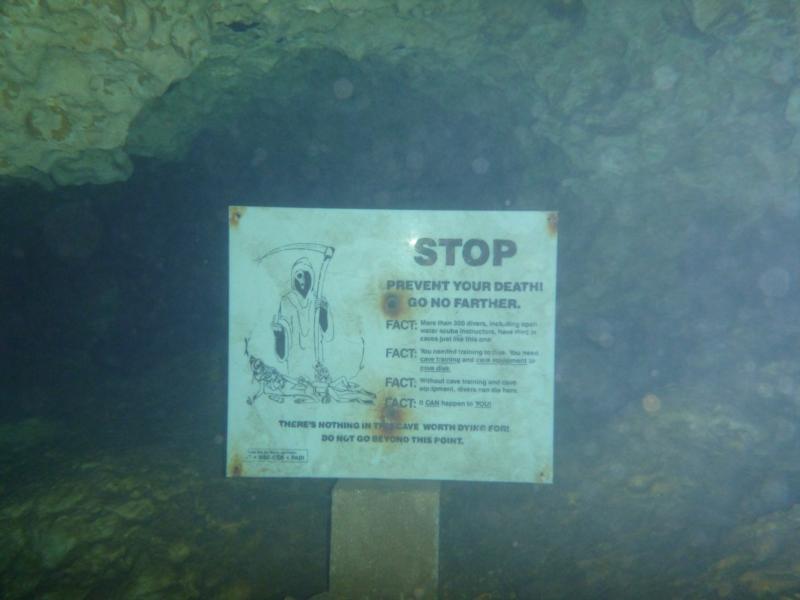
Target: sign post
384, 539
400, 345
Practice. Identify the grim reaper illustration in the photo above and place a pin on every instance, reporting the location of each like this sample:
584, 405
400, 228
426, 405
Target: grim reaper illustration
302, 323
301, 327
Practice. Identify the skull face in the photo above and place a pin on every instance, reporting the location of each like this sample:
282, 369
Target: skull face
302, 277
302, 282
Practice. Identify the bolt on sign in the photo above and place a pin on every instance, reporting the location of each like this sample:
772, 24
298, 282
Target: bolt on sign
391, 344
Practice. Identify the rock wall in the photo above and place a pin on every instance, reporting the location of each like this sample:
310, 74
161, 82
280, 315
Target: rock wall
701, 95
73, 75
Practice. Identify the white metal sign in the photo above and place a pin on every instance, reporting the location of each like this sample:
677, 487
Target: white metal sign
391, 344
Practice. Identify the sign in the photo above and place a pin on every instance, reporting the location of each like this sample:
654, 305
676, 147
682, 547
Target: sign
391, 344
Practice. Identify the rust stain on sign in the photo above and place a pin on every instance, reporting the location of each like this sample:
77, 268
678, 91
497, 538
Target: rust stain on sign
544, 475
394, 304
552, 224
235, 467
235, 214
388, 419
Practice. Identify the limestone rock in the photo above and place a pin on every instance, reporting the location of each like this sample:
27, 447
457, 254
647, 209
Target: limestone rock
73, 75
147, 524
661, 93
